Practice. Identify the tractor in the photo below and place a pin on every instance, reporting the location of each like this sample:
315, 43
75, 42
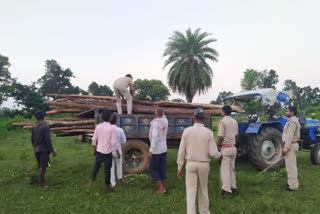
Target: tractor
261, 127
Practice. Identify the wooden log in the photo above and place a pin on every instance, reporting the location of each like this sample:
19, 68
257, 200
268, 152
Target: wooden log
70, 123
162, 103
63, 110
56, 129
75, 131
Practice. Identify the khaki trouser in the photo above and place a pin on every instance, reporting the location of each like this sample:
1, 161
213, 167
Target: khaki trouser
197, 171
118, 91
291, 166
227, 169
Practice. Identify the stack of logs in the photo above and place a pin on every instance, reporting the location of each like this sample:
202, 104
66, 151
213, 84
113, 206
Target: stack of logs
84, 106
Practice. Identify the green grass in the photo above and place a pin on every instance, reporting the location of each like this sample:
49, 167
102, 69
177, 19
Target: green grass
68, 175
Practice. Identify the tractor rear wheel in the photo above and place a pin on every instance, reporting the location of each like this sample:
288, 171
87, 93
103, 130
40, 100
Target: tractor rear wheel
265, 148
315, 154
135, 156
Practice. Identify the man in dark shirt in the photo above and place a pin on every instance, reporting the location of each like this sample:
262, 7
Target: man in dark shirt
42, 146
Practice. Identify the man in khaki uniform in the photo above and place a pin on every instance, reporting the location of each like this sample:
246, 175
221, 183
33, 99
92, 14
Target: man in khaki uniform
197, 146
291, 137
227, 135
120, 88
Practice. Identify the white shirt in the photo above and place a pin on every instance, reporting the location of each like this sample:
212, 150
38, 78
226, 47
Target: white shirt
158, 135
121, 139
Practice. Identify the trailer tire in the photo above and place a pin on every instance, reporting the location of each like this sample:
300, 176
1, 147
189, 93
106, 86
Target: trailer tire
315, 154
135, 156
265, 148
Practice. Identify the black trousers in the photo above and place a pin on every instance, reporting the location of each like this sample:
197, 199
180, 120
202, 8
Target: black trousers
107, 160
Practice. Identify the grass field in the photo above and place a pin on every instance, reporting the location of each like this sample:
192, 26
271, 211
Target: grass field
68, 175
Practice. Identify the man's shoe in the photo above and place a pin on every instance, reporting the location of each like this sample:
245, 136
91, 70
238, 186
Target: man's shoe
288, 189
109, 188
226, 195
234, 192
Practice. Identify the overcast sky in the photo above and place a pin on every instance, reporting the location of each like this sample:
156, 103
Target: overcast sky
102, 40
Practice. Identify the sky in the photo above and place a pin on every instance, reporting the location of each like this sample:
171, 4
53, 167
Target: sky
103, 40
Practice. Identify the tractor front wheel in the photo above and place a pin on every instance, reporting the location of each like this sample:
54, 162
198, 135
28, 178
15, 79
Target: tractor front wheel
315, 154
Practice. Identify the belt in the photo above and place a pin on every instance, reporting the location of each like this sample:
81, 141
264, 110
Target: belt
228, 145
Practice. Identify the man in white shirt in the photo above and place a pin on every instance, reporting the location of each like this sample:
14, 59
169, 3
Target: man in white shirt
158, 149
117, 153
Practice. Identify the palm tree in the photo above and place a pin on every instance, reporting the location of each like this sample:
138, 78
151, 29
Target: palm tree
190, 73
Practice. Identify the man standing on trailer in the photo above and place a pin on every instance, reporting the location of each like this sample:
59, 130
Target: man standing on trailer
291, 138
120, 88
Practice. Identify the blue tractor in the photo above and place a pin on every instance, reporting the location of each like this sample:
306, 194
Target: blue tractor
261, 127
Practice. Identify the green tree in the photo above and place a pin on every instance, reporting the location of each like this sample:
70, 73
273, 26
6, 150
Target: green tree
220, 97
56, 80
253, 79
187, 54
28, 97
269, 79
5, 78
151, 90
99, 90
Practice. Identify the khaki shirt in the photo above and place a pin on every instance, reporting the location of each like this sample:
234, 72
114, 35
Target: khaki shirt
291, 132
197, 144
228, 130
122, 83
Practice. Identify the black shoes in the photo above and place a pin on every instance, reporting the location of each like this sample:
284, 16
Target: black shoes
226, 195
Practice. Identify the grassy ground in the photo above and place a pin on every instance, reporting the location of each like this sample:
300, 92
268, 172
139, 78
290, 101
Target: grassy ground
68, 174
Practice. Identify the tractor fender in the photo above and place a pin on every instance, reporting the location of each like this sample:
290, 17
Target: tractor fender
254, 128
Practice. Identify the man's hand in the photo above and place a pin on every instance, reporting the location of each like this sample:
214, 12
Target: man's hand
220, 159
284, 152
118, 154
179, 174
54, 154
150, 155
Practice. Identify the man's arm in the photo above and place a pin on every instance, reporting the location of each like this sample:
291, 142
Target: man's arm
220, 135
47, 136
154, 135
213, 150
123, 138
181, 155
94, 141
131, 88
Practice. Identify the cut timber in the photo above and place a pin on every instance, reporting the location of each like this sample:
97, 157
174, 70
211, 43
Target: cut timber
57, 129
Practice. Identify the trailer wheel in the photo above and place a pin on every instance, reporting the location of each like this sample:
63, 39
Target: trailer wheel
315, 154
135, 156
266, 148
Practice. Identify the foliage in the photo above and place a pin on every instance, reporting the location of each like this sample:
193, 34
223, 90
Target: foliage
28, 97
150, 90
5, 78
253, 79
99, 90
220, 97
187, 54
57, 80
